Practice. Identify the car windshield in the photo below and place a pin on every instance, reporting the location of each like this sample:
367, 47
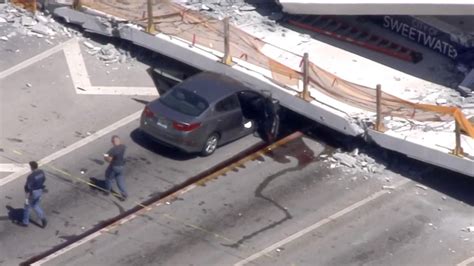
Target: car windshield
185, 101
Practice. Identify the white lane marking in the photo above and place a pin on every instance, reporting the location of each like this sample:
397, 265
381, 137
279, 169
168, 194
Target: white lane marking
12, 167
77, 67
101, 231
35, 59
108, 228
467, 262
74, 146
318, 224
82, 83
73, 245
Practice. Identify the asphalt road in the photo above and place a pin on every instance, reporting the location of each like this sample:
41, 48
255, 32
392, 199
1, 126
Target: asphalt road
288, 207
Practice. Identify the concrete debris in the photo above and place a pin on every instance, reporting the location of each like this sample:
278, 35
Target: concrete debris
42, 19
89, 45
388, 187
441, 101
28, 85
422, 187
4, 38
42, 29
28, 21
107, 53
355, 152
469, 229
205, 8
27, 24
345, 159
247, 8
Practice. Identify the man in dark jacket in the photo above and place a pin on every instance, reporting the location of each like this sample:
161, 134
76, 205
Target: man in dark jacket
34, 190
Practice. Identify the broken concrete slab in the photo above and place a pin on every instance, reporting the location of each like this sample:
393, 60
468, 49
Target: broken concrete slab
42, 29
28, 21
345, 159
202, 59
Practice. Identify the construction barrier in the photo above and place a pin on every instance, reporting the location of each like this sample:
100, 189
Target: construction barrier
208, 33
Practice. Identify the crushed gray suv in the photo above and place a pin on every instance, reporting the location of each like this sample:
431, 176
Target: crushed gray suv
208, 110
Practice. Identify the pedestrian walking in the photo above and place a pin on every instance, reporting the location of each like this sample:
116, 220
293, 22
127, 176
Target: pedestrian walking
34, 187
115, 158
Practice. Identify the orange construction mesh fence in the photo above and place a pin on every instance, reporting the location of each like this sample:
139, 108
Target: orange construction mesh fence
208, 33
29, 5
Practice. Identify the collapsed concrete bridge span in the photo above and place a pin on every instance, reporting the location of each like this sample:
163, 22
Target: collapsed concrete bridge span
340, 104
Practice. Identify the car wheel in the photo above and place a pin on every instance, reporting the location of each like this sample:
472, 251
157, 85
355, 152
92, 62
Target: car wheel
210, 145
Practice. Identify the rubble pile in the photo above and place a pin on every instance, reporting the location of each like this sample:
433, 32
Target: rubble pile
107, 53
28, 24
356, 160
240, 12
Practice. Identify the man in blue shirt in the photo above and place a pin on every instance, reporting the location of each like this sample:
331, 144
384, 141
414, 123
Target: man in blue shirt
34, 190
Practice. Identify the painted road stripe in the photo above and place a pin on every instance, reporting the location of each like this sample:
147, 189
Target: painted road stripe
74, 146
320, 223
166, 199
13, 167
35, 58
467, 262
82, 83
77, 67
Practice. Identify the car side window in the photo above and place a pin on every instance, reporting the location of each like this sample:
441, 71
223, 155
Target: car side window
228, 104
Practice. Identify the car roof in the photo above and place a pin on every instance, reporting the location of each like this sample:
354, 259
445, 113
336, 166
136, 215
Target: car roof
212, 86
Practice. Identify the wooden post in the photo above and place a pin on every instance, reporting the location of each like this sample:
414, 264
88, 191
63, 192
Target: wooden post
458, 151
227, 59
305, 94
378, 120
76, 4
151, 25
34, 7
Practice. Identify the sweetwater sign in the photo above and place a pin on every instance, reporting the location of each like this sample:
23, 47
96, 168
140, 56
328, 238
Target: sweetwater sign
424, 34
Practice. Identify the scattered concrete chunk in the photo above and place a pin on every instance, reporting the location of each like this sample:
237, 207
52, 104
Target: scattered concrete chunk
422, 187
345, 159
247, 8
4, 38
441, 101
388, 187
89, 45
42, 19
27, 21
42, 29
205, 7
